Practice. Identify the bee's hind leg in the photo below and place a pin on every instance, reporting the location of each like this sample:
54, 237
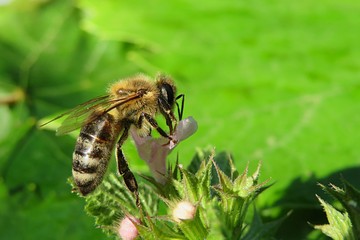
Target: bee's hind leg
123, 166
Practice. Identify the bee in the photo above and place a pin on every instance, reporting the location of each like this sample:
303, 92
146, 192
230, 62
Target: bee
105, 122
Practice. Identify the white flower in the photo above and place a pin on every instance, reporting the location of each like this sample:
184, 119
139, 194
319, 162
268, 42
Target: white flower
184, 210
155, 150
127, 228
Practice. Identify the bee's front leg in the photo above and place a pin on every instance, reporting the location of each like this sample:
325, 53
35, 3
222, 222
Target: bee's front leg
155, 125
166, 111
180, 107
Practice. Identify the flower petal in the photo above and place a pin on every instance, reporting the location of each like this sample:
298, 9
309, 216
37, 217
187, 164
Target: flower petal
155, 150
185, 128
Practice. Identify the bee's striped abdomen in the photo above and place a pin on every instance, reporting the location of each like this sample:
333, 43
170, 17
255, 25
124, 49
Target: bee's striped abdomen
92, 152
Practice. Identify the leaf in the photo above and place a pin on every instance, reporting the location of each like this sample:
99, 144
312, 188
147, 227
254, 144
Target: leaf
272, 81
194, 229
339, 226
257, 75
48, 65
26, 211
349, 198
113, 201
190, 185
259, 230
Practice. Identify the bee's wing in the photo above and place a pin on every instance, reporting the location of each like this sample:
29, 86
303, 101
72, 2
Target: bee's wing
89, 111
82, 114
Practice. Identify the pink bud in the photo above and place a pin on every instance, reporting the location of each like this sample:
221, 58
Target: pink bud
127, 228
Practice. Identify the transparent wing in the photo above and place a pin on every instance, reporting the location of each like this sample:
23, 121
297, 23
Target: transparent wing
89, 111
82, 114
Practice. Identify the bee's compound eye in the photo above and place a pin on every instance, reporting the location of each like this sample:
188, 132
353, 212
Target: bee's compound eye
168, 93
122, 93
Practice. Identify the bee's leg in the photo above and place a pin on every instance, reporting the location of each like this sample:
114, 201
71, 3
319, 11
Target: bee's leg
123, 166
154, 124
167, 112
180, 108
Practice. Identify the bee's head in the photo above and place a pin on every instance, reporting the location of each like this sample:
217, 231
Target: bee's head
167, 89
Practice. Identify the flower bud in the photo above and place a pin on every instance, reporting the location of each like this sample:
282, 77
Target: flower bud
184, 210
127, 228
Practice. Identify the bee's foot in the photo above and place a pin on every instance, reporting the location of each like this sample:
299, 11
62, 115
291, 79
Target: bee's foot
171, 143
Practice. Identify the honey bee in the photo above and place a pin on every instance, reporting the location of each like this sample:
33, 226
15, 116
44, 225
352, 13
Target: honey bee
105, 123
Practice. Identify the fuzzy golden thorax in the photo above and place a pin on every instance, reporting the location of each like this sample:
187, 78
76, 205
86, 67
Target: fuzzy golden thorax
145, 98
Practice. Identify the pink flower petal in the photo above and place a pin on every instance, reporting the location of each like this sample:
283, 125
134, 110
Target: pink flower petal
155, 150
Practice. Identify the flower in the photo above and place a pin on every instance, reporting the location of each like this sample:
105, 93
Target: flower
155, 150
184, 210
127, 228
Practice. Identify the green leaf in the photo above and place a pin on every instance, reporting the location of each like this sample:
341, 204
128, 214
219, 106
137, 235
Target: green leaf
112, 201
190, 185
263, 80
215, 219
204, 175
48, 64
339, 226
266, 86
349, 197
225, 183
159, 231
259, 230
194, 229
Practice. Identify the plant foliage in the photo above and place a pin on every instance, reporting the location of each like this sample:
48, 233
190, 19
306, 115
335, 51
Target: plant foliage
221, 206
271, 81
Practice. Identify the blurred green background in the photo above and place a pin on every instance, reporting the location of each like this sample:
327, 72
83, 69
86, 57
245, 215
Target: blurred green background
274, 81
